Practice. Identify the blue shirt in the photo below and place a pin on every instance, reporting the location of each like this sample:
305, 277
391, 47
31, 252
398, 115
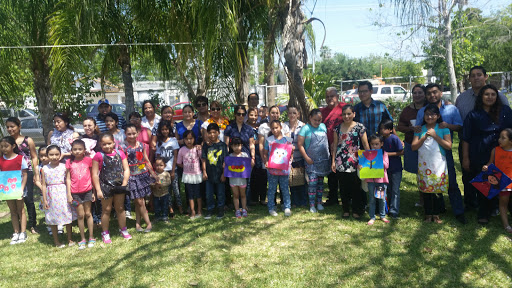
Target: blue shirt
180, 129
100, 122
372, 115
245, 134
393, 144
449, 113
439, 131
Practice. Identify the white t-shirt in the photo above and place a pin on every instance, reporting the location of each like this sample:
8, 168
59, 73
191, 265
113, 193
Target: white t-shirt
145, 122
166, 151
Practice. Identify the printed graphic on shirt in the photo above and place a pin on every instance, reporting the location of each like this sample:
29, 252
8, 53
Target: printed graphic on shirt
213, 156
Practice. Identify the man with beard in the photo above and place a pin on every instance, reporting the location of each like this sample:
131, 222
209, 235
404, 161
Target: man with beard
103, 109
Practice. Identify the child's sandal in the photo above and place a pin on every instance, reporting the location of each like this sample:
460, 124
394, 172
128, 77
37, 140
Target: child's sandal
371, 222
436, 219
385, 220
508, 229
428, 218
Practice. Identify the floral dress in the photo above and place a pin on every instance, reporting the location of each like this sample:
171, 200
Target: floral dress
60, 211
348, 144
140, 180
432, 165
62, 139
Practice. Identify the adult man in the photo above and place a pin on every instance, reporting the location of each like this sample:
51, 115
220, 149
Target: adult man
370, 112
104, 108
201, 104
331, 117
253, 99
465, 103
451, 120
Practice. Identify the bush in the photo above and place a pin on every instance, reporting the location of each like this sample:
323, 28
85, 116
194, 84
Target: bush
396, 107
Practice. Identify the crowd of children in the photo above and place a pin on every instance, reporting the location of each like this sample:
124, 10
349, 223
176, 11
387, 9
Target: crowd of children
102, 169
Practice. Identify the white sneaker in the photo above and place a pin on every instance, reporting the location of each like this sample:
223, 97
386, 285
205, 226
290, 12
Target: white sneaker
319, 207
312, 209
14, 239
128, 214
287, 212
273, 213
22, 237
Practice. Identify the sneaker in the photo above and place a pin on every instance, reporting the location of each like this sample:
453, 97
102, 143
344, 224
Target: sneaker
128, 214
238, 214
220, 215
273, 213
319, 207
125, 234
418, 204
105, 236
91, 243
208, 216
312, 209
244, 213
81, 245
14, 239
287, 212
22, 237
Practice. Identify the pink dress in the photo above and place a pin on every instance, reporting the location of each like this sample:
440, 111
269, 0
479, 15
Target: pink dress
60, 211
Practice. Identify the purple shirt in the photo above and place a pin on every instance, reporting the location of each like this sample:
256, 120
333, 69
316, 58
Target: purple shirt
393, 144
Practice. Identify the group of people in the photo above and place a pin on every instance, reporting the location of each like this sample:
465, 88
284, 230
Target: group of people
115, 162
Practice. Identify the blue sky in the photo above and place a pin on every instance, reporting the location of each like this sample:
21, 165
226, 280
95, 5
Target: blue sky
349, 28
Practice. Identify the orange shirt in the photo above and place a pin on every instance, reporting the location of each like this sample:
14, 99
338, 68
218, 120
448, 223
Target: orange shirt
503, 160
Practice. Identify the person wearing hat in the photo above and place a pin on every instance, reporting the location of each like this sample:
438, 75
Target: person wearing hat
104, 108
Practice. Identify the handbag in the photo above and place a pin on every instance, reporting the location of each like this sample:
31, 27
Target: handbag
297, 176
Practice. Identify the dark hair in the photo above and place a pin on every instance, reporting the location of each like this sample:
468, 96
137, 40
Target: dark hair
40, 150
432, 85
272, 107
188, 106
486, 177
314, 112
135, 114
159, 158
200, 99
165, 107
264, 107
107, 135
113, 116
144, 104
238, 107
252, 109
367, 83
11, 141
64, 118
76, 142
213, 126
235, 141
252, 94
386, 124
432, 108
216, 103
348, 106
14, 120
289, 107
272, 122
422, 87
130, 125
509, 133
495, 110
53, 147
189, 132
374, 137
159, 136
96, 129
478, 68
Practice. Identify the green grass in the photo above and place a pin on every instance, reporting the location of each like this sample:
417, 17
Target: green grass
305, 250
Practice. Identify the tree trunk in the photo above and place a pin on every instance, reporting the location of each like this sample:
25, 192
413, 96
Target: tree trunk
293, 55
447, 33
268, 62
42, 89
125, 63
242, 87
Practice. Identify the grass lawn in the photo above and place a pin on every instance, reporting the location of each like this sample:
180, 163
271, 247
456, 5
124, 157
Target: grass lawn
304, 250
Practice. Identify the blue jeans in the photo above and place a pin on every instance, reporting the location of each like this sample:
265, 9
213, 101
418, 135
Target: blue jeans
161, 206
373, 200
218, 190
299, 195
395, 179
453, 188
272, 189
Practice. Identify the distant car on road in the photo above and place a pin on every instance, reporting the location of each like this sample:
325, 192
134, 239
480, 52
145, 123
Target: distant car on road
92, 110
178, 110
383, 92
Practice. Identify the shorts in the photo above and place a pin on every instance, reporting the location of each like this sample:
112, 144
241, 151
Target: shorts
193, 191
241, 186
82, 197
505, 193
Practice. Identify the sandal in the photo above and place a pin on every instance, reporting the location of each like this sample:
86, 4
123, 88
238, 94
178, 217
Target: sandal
508, 229
436, 219
370, 223
385, 220
428, 218
33, 230
346, 215
356, 216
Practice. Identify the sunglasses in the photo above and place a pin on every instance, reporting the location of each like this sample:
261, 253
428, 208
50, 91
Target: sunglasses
241, 114
202, 104
215, 109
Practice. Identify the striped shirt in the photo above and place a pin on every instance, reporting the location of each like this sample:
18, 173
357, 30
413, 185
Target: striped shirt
372, 115
466, 102
100, 122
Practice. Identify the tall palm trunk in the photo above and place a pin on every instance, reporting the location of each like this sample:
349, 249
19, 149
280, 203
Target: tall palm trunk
268, 62
125, 63
42, 88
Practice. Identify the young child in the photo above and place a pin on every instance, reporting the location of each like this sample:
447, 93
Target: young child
189, 159
167, 148
238, 185
110, 175
263, 114
12, 161
56, 197
276, 176
92, 145
313, 144
432, 143
78, 181
160, 191
378, 184
213, 170
501, 156
140, 180
394, 148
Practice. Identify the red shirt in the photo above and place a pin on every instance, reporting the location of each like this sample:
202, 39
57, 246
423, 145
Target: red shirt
332, 118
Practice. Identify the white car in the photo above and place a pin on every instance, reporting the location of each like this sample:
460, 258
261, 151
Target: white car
383, 92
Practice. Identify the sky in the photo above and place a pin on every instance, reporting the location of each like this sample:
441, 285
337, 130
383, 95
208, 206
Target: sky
350, 31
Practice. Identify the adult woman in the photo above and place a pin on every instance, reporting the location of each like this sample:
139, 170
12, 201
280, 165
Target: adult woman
481, 130
144, 132
258, 181
167, 114
188, 123
28, 151
406, 124
299, 193
63, 134
238, 128
111, 121
150, 118
215, 117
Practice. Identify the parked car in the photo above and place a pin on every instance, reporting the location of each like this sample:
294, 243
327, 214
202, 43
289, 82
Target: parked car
32, 127
92, 110
23, 113
178, 110
383, 92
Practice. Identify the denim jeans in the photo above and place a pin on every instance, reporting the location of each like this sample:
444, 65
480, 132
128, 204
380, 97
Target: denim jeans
373, 200
161, 206
273, 180
29, 200
315, 189
395, 179
216, 189
127, 203
453, 189
299, 195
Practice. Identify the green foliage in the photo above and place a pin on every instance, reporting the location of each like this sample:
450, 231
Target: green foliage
75, 101
315, 85
495, 41
396, 107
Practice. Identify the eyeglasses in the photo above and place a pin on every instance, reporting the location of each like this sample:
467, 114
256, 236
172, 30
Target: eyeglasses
215, 109
241, 114
202, 104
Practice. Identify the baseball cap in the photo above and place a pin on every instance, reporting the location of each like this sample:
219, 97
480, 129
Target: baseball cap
103, 101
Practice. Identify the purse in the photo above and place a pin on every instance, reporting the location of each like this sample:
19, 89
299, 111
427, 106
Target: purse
297, 176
